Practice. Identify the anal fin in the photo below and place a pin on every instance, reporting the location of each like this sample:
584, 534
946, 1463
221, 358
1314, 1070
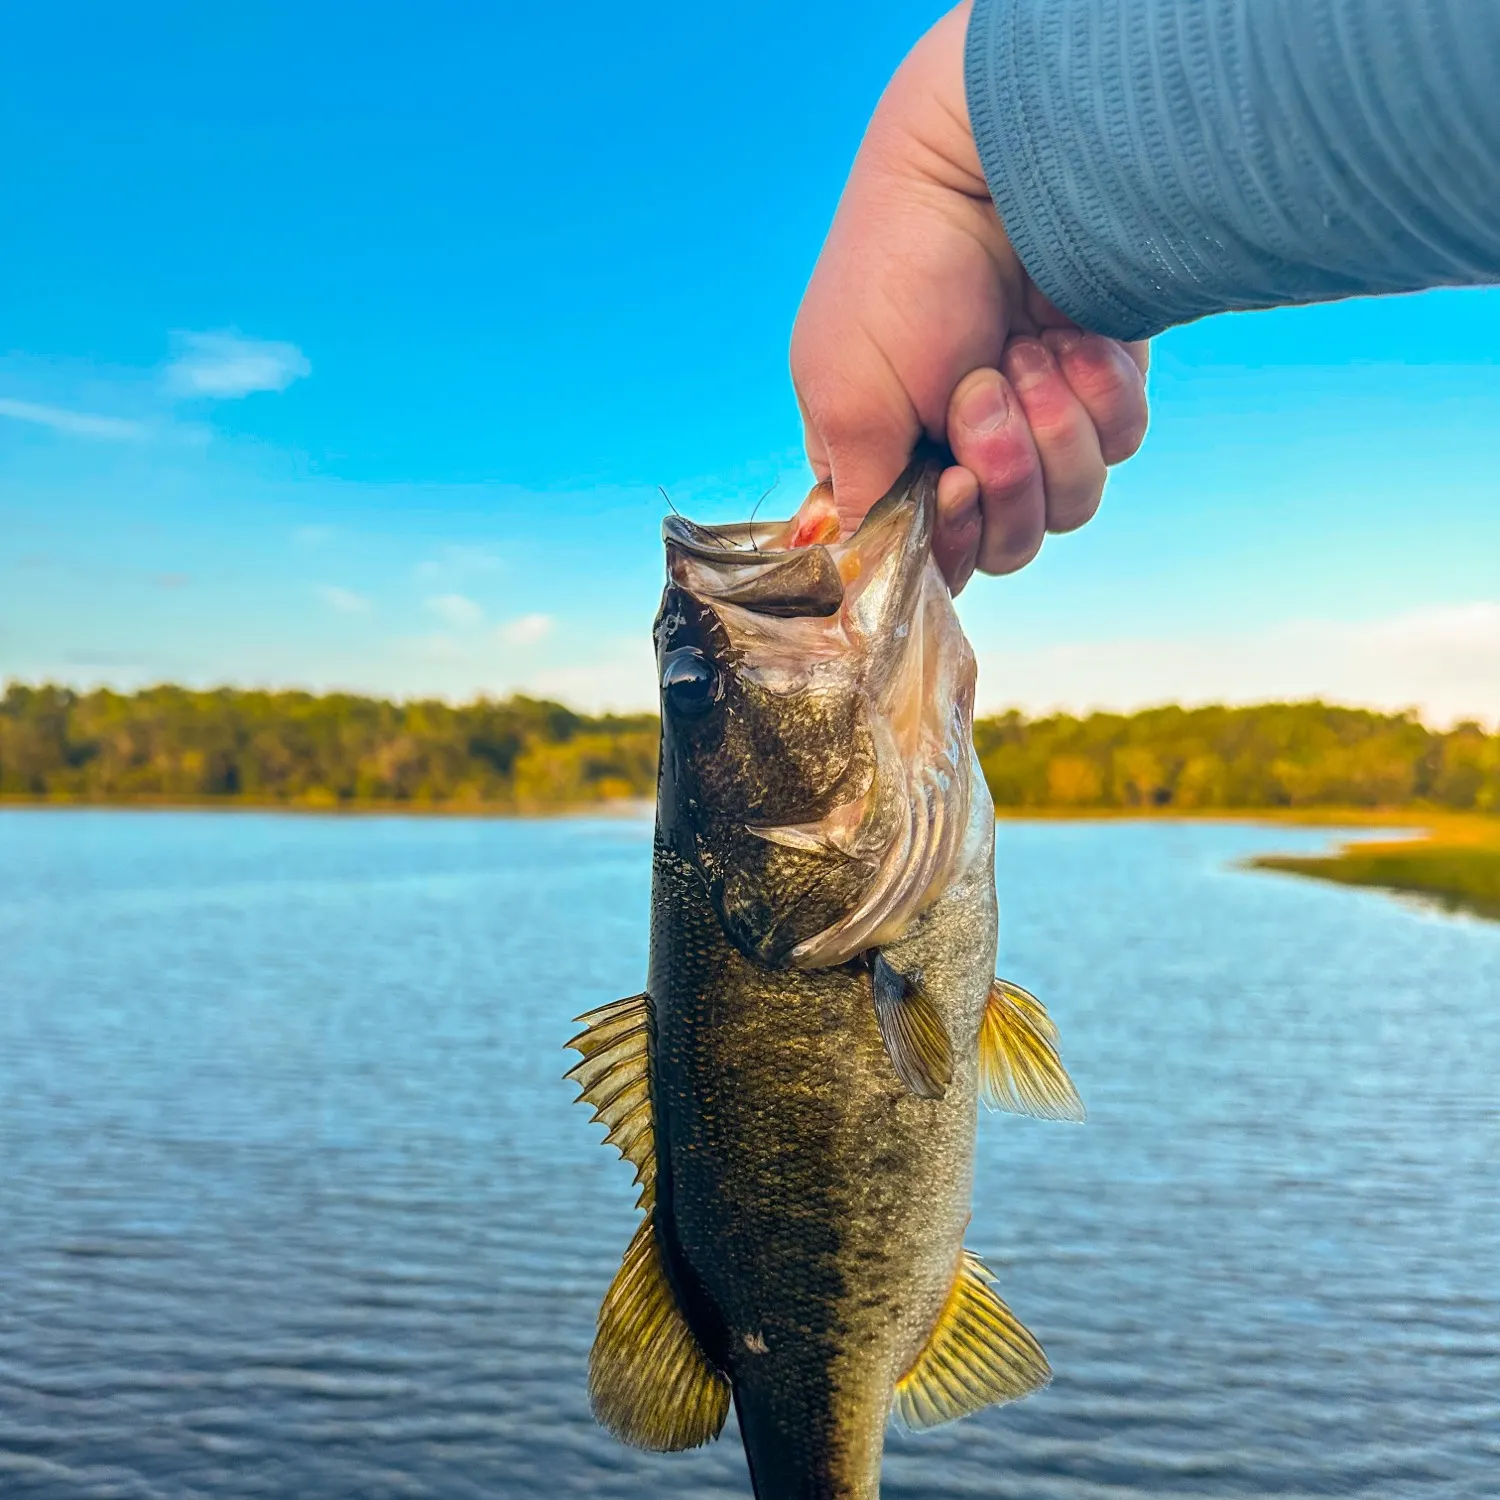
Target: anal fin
915, 1038
977, 1354
615, 1078
649, 1381
1019, 1066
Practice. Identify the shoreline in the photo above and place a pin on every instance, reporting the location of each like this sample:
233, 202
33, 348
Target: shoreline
1452, 863
1320, 816
614, 807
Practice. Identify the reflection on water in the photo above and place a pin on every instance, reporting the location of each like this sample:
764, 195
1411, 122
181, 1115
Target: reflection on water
294, 1203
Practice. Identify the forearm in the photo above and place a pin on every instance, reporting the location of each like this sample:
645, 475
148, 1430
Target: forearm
1157, 160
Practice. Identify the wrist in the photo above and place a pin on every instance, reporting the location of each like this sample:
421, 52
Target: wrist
920, 149
922, 120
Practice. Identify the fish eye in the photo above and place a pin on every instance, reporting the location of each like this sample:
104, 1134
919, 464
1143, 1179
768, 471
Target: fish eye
690, 683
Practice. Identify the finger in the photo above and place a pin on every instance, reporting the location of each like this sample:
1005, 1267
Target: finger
1140, 354
1108, 383
989, 436
960, 525
812, 443
863, 466
1066, 444
859, 427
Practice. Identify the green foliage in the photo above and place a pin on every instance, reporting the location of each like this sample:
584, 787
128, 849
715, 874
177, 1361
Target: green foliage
173, 744
1274, 755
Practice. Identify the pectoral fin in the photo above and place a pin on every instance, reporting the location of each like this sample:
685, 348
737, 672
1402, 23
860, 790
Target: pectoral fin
1019, 1066
978, 1354
915, 1039
615, 1078
649, 1382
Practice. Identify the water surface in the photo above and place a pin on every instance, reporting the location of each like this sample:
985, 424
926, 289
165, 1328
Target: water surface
294, 1203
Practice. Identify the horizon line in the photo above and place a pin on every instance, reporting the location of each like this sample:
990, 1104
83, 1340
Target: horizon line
1411, 713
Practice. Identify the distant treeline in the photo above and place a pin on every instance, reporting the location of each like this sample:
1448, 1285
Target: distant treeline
169, 744
1272, 755
172, 744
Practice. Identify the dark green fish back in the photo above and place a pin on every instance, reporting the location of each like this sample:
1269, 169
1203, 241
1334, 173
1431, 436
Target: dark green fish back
812, 1209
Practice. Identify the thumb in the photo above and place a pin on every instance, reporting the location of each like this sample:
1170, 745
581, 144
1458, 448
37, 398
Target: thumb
864, 464
858, 422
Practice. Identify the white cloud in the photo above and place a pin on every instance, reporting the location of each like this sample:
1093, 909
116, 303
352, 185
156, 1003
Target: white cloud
74, 423
620, 674
434, 650
1443, 660
456, 610
345, 601
1464, 629
526, 630
457, 562
226, 365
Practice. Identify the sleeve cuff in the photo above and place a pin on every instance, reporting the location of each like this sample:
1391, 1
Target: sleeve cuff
1002, 66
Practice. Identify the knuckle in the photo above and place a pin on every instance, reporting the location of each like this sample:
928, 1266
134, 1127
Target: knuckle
1120, 422
1054, 413
1106, 381
1099, 369
1072, 505
1122, 438
1004, 465
1060, 429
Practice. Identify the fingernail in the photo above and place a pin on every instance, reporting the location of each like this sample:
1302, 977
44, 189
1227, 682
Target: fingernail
985, 408
1028, 363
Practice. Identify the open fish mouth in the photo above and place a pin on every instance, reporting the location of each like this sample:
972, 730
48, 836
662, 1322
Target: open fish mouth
868, 618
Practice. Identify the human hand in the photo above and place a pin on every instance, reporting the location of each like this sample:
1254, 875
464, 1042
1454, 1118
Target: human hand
919, 318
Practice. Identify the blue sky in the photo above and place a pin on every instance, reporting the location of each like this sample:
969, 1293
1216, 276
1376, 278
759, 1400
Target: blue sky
346, 346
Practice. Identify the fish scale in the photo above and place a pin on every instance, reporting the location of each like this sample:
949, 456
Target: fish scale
819, 1205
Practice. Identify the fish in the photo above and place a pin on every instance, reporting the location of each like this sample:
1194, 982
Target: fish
797, 1085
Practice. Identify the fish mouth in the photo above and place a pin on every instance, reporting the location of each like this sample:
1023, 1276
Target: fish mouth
872, 613
740, 565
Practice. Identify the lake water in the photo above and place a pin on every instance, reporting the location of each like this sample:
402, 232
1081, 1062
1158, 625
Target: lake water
294, 1202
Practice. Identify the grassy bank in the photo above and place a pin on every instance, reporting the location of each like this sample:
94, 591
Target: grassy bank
1455, 864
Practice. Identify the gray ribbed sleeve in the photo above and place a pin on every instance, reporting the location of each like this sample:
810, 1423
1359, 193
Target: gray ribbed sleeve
1156, 160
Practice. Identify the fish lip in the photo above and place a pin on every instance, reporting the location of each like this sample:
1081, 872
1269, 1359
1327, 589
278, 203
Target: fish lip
743, 543
736, 564
786, 582
738, 543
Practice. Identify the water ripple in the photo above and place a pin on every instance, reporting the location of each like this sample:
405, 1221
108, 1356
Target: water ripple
295, 1202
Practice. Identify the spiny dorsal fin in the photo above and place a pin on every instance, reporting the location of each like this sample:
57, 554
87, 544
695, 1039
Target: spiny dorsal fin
1019, 1067
614, 1076
978, 1354
649, 1382
913, 1032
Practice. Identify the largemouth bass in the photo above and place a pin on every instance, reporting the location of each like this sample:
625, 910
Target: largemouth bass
797, 1085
